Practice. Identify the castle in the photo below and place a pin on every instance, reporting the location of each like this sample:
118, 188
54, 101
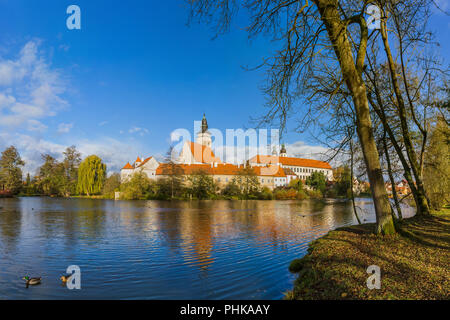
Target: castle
272, 170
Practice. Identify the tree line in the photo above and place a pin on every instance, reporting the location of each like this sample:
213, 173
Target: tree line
69, 177
73, 176
245, 185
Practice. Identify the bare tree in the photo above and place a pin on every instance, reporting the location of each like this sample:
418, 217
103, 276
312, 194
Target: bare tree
400, 84
316, 36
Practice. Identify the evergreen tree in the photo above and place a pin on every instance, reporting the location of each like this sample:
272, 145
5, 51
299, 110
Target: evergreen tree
51, 176
317, 181
202, 185
342, 177
71, 162
91, 175
11, 170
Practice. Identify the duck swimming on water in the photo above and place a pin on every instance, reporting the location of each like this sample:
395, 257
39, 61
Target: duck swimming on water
32, 281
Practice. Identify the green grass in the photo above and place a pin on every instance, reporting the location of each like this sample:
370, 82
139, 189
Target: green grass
414, 263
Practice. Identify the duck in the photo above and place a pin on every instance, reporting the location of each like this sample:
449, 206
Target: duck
65, 278
32, 281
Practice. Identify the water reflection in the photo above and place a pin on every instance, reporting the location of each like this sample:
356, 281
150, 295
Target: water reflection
161, 250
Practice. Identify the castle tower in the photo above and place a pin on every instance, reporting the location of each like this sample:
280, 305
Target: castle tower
204, 136
283, 151
138, 162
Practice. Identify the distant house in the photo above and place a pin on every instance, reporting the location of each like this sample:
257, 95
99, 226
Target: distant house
402, 188
148, 166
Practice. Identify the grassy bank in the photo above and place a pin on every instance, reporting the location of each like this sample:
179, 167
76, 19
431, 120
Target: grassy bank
414, 263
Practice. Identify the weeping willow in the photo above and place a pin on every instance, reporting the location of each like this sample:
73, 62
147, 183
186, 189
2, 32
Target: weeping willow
91, 175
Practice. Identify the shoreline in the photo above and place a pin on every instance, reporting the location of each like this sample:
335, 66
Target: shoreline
413, 262
100, 197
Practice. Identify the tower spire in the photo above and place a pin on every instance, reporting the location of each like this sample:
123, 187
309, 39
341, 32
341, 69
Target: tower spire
283, 151
204, 124
204, 136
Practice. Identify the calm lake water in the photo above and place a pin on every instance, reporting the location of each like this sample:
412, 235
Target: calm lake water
158, 249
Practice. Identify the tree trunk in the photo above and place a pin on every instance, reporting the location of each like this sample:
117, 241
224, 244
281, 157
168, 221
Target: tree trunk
422, 203
351, 182
407, 170
352, 74
391, 177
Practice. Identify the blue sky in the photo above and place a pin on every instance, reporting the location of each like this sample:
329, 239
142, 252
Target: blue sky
134, 72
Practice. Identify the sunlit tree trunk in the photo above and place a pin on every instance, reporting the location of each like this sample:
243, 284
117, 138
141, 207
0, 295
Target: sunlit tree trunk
391, 178
352, 74
422, 203
351, 182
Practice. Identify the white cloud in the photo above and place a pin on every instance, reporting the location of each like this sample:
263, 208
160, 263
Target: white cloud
114, 153
300, 149
29, 88
140, 131
30, 149
65, 127
6, 100
35, 125
64, 47
101, 124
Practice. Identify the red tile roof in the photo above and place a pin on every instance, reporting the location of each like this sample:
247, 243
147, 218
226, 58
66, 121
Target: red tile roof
270, 170
289, 161
144, 162
220, 169
128, 166
203, 153
138, 159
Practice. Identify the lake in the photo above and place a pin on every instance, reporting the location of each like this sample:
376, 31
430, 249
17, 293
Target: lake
161, 249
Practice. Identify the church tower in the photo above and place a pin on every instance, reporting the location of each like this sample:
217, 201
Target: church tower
204, 136
283, 151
